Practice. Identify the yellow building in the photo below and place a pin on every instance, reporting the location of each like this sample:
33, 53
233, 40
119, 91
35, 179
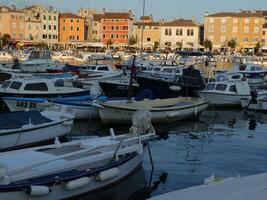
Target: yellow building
12, 23
150, 31
245, 27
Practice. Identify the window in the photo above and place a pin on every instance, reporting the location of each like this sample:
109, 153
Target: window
246, 21
6, 84
49, 27
13, 17
64, 28
232, 88
222, 38
104, 28
71, 28
264, 33
245, 39
211, 20
44, 27
148, 39
78, 28
210, 86
55, 27
78, 21
44, 36
49, 36
256, 29
71, 20
179, 32
223, 20
223, 29
211, 29
78, 37
190, 32
221, 87
44, 17
256, 39
54, 36
55, 18
112, 28
15, 85
103, 68
246, 29
168, 31
234, 29
117, 28
36, 87
235, 20
14, 25
104, 36
49, 18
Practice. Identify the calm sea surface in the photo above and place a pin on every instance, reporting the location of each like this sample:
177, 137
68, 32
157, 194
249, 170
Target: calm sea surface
220, 142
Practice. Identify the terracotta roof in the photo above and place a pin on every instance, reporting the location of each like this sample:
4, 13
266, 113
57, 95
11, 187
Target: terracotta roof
147, 23
117, 15
145, 18
239, 14
69, 15
97, 17
180, 22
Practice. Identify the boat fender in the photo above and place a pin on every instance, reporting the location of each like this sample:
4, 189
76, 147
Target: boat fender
78, 183
67, 123
108, 174
38, 190
175, 88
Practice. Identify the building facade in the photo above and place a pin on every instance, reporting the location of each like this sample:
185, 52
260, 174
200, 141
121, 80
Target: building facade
71, 28
12, 22
147, 32
179, 34
245, 27
117, 27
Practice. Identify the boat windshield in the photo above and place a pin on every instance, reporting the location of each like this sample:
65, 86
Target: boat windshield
221, 87
210, 86
15, 85
6, 84
232, 88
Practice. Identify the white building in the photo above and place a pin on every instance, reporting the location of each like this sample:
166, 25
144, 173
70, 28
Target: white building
179, 33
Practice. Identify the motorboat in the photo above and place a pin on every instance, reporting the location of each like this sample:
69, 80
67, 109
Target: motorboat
167, 85
20, 129
225, 92
163, 110
72, 169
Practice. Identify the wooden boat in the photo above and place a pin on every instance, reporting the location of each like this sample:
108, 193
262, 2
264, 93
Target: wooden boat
70, 170
163, 110
20, 129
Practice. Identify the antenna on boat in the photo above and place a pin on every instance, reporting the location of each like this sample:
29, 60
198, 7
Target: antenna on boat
132, 75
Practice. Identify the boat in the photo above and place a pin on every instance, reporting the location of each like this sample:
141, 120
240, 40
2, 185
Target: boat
220, 188
73, 169
225, 92
169, 85
5, 56
257, 102
163, 110
39, 87
20, 129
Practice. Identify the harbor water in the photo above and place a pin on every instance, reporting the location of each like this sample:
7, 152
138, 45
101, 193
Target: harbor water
220, 142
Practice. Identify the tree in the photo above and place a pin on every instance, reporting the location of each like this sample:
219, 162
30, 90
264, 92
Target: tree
207, 44
132, 40
109, 43
232, 44
179, 45
156, 45
5, 39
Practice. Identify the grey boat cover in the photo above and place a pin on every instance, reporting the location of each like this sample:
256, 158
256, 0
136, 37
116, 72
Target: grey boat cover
15, 120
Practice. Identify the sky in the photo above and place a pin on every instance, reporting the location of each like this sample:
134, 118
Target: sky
160, 9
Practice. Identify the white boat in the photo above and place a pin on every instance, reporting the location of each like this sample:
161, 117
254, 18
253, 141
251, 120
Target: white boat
235, 188
38, 87
19, 129
225, 93
163, 110
69, 170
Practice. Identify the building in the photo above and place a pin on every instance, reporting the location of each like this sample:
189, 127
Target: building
96, 28
117, 27
41, 24
12, 22
179, 34
245, 27
71, 28
88, 14
147, 32
264, 34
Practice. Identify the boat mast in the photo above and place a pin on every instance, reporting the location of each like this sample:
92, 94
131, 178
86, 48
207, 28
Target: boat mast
132, 75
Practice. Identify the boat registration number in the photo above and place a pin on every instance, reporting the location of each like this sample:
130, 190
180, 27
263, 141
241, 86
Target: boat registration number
26, 104
122, 87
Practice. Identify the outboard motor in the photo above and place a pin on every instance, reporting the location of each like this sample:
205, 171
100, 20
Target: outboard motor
254, 96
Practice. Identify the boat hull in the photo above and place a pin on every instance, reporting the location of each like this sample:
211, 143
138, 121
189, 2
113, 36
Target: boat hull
259, 106
36, 134
117, 89
124, 116
60, 192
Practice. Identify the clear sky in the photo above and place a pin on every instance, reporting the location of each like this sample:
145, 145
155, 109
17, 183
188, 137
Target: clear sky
160, 9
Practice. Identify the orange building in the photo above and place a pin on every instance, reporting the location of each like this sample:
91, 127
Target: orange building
117, 27
71, 28
12, 22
